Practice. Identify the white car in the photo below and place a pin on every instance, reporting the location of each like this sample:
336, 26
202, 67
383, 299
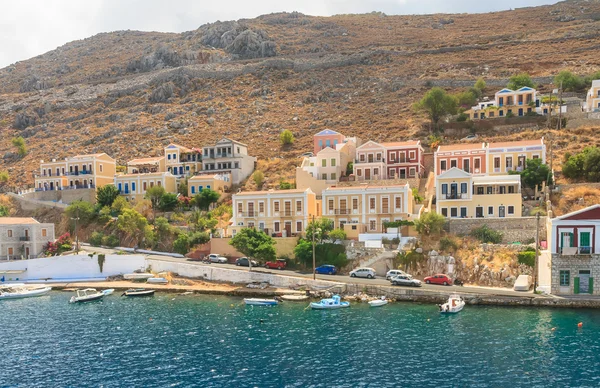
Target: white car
405, 280
368, 273
215, 258
394, 272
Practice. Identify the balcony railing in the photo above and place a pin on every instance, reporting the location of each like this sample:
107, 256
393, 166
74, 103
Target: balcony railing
248, 214
24, 238
572, 251
342, 211
74, 187
455, 196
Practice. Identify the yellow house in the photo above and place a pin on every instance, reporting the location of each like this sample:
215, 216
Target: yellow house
77, 172
182, 161
462, 195
146, 165
365, 209
592, 102
504, 157
217, 182
134, 186
279, 213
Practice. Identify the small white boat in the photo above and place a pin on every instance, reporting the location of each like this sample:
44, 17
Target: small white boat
138, 292
378, 302
138, 276
332, 303
294, 297
260, 302
19, 290
157, 281
454, 304
87, 295
108, 291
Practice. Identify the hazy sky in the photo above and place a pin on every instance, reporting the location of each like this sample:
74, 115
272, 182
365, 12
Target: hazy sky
29, 28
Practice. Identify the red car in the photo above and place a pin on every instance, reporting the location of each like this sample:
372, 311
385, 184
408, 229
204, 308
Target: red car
279, 264
438, 279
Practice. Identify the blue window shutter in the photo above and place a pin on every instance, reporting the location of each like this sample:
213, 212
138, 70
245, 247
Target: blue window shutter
193, 189
169, 156
208, 187
120, 187
463, 187
200, 188
444, 188
132, 186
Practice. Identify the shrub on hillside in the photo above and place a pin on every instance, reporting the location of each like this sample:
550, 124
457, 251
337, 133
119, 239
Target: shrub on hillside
487, 235
527, 257
110, 241
448, 244
96, 239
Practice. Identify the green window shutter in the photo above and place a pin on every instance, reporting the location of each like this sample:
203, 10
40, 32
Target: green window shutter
591, 285
572, 239
584, 239
576, 285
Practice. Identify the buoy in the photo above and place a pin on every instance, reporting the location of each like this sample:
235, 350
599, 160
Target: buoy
428, 319
554, 328
580, 324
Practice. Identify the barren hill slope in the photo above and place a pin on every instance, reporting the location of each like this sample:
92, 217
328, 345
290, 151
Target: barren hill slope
129, 93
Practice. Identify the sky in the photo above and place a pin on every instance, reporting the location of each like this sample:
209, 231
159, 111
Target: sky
29, 28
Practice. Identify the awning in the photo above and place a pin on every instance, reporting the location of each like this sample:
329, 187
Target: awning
12, 271
496, 183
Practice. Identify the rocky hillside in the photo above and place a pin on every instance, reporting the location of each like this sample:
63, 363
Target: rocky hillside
129, 93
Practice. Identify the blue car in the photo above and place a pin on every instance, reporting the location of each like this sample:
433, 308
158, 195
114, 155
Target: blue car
326, 269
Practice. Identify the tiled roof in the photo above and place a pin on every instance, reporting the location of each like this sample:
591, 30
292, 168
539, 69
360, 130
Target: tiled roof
17, 221
327, 132
146, 160
521, 143
461, 146
409, 143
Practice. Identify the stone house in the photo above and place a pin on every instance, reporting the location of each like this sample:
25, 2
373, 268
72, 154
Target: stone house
23, 237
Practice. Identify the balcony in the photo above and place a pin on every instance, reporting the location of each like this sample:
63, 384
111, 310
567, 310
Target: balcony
74, 187
455, 196
24, 238
341, 211
573, 251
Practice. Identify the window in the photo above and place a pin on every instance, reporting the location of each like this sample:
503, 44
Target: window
9, 233
443, 165
453, 212
444, 188
10, 251
375, 171
169, 156
276, 206
159, 183
261, 207
379, 157
565, 278
343, 205
323, 162
445, 212
463, 188
411, 155
120, 187
324, 177
276, 226
393, 157
362, 157
372, 203
497, 163
143, 186
332, 162
372, 225
240, 209
490, 210
152, 184
333, 176
355, 203
511, 189
193, 189
477, 163
453, 163
321, 144
385, 204
44, 232
298, 226
392, 174
536, 156
412, 172
359, 172
398, 203
330, 204
463, 212
298, 206
480, 190
132, 186
511, 210
508, 163
327, 143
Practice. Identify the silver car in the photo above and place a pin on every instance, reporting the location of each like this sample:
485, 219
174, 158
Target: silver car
368, 273
405, 280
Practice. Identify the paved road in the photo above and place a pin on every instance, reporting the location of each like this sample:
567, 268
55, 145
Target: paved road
335, 278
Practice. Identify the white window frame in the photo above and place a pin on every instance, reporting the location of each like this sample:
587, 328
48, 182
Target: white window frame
411, 155
455, 160
455, 208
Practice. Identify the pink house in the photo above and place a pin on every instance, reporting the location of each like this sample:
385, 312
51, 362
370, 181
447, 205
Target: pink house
470, 158
404, 159
327, 138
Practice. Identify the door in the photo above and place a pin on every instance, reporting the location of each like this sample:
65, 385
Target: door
368, 174
466, 165
479, 212
51, 185
567, 240
585, 282
453, 190
76, 170
584, 243
27, 252
288, 228
501, 212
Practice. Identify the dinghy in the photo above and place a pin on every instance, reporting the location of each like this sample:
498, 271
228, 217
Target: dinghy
260, 302
87, 295
378, 302
108, 291
454, 304
19, 291
332, 303
294, 297
138, 292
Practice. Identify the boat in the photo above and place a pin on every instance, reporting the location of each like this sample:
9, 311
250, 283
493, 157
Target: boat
378, 302
331, 303
19, 290
157, 281
138, 292
138, 276
108, 292
454, 304
260, 302
294, 297
87, 295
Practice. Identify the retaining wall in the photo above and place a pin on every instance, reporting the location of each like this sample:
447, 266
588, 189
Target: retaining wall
284, 246
513, 229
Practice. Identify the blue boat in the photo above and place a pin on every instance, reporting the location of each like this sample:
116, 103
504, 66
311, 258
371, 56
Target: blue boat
331, 303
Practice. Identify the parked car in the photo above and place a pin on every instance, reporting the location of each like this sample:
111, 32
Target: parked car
368, 273
308, 154
405, 280
278, 264
326, 269
394, 272
244, 261
469, 137
214, 258
438, 279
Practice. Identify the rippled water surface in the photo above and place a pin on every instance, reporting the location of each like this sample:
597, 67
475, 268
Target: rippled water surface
205, 341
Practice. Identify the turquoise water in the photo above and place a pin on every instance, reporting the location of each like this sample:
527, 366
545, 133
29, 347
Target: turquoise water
206, 341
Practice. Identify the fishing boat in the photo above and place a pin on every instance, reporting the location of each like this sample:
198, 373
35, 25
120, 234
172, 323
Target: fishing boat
157, 281
19, 290
378, 302
260, 302
138, 276
294, 297
138, 292
454, 304
331, 303
87, 295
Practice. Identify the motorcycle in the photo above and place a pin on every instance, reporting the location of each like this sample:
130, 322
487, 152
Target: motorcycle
458, 282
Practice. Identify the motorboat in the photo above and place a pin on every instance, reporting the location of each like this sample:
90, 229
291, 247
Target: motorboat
294, 297
157, 281
454, 304
378, 302
138, 292
19, 290
87, 295
108, 291
138, 276
260, 302
334, 302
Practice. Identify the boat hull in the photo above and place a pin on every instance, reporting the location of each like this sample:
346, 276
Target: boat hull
377, 303
26, 294
319, 306
294, 298
138, 293
260, 302
157, 281
137, 276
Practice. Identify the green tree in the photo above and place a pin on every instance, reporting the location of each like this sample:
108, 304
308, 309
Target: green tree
480, 85
133, 225
205, 198
168, 202
337, 234
82, 210
259, 178
534, 173
182, 188
19, 143
95, 239
520, 80
3, 211
286, 137
326, 253
181, 245
430, 223
283, 185
321, 227
199, 238
154, 194
255, 244
486, 235
466, 99
569, 81
163, 231
437, 104
120, 204
4, 177
106, 195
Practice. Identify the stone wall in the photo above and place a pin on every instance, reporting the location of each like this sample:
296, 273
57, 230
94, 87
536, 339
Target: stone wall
62, 196
574, 264
513, 229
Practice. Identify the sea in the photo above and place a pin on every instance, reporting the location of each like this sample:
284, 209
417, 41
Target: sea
175, 340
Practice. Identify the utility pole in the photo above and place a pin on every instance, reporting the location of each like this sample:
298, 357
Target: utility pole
313, 248
76, 237
537, 253
559, 107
